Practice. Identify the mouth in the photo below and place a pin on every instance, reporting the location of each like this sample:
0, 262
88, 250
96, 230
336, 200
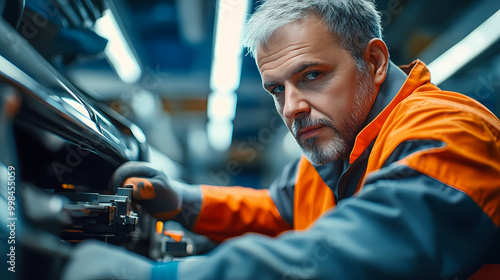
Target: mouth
310, 131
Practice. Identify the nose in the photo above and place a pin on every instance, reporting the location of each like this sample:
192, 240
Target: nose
296, 103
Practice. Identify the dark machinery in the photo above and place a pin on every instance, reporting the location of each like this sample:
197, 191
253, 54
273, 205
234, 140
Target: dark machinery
59, 146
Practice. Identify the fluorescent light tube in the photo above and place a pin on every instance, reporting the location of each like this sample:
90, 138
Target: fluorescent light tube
117, 50
466, 50
226, 72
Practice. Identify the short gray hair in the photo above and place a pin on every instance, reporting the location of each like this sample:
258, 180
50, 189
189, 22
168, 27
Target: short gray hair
354, 22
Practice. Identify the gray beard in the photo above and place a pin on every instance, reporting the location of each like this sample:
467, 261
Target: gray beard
341, 145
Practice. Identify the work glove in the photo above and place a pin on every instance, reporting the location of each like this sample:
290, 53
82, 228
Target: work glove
152, 190
97, 260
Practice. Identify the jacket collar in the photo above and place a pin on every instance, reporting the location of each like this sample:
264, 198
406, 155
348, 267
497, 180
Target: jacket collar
399, 84
343, 177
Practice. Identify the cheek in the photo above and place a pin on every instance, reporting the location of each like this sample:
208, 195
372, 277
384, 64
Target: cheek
338, 101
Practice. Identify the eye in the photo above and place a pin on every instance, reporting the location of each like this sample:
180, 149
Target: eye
312, 75
277, 89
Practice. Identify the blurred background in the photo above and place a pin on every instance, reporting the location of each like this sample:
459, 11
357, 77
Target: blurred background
175, 68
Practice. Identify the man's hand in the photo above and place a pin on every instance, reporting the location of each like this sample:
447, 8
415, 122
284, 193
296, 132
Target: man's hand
152, 189
96, 260
93, 260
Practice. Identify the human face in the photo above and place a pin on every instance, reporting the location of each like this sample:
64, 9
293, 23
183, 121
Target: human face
319, 92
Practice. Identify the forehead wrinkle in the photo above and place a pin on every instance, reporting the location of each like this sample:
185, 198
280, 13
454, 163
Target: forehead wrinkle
283, 65
280, 67
277, 55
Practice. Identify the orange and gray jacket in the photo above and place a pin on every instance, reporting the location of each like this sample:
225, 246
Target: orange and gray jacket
419, 198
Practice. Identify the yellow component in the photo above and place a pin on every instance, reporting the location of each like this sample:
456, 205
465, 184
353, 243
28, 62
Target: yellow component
68, 186
159, 227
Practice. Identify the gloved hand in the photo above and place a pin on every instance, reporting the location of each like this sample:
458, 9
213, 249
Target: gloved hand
96, 260
159, 196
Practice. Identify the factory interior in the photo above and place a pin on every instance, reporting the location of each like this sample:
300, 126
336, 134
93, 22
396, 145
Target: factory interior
87, 85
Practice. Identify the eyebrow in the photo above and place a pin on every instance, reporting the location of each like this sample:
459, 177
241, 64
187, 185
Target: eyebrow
293, 73
303, 67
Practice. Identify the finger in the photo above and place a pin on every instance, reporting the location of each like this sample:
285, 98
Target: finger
143, 188
132, 169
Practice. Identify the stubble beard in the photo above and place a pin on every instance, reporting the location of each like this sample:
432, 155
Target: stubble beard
341, 145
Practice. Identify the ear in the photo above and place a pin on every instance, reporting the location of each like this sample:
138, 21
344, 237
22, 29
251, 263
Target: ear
377, 57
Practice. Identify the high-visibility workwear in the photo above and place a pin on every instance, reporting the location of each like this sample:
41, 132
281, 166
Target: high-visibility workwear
419, 198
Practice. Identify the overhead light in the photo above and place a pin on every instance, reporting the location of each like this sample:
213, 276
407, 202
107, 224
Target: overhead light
226, 61
221, 105
226, 71
466, 50
221, 109
220, 133
117, 50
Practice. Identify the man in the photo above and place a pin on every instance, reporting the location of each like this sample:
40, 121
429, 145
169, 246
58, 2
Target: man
400, 180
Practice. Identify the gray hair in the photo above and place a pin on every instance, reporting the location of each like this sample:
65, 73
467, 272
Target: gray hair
354, 22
